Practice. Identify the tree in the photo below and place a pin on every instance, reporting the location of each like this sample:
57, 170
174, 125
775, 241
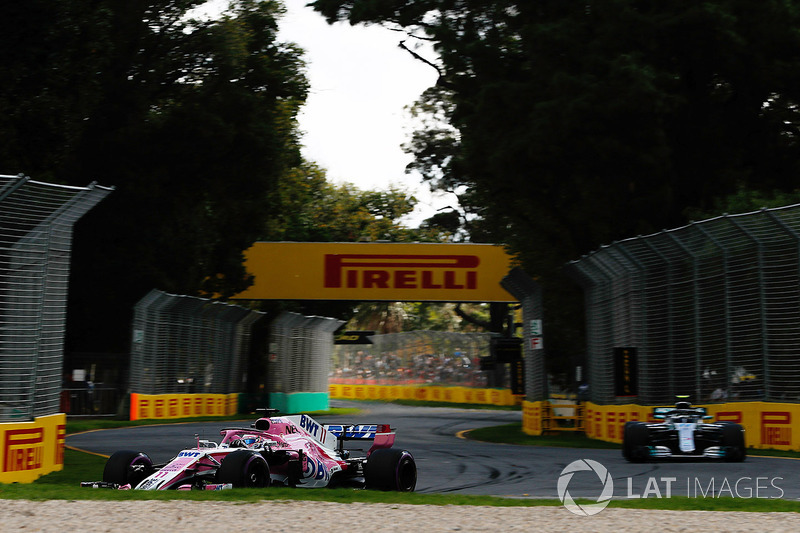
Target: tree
53, 52
314, 210
193, 122
395, 317
572, 124
746, 201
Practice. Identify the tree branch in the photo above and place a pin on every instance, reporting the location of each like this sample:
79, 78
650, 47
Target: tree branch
402, 44
471, 319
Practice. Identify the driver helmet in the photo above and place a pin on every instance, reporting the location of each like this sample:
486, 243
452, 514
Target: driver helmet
250, 441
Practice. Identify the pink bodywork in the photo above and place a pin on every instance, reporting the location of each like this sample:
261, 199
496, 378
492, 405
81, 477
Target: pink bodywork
298, 436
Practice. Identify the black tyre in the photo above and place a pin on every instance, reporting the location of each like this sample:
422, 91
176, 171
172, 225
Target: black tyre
634, 442
127, 467
733, 442
244, 469
390, 469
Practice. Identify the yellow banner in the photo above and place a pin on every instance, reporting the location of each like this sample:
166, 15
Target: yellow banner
416, 392
377, 271
32, 449
767, 425
144, 406
532, 417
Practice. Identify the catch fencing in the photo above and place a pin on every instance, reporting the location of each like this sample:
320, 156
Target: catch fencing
414, 357
710, 310
300, 353
529, 294
36, 221
90, 401
183, 344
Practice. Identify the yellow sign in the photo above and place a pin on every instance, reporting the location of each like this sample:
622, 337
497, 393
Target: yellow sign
767, 425
144, 406
433, 393
377, 271
32, 449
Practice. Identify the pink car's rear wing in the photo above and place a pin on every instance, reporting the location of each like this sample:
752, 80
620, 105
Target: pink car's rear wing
381, 434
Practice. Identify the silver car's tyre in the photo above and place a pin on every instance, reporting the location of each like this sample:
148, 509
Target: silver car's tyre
634, 442
733, 442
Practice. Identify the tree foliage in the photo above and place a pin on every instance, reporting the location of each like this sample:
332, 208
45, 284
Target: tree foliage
193, 122
315, 210
746, 201
395, 317
572, 124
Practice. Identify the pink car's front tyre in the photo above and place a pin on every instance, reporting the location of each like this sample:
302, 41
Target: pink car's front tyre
244, 469
127, 467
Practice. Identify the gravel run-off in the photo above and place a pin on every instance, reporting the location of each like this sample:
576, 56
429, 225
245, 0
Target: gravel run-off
60, 516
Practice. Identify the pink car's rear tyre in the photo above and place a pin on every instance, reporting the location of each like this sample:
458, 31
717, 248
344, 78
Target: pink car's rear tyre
390, 469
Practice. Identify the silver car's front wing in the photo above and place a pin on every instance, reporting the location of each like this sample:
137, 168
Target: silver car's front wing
713, 452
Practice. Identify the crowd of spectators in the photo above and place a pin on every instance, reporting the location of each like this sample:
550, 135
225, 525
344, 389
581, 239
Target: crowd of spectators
362, 367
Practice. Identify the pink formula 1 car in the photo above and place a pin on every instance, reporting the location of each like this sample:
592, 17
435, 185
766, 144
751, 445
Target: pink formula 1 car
293, 451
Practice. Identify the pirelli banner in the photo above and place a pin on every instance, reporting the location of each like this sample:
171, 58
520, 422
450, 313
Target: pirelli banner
377, 271
424, 393
767, 425
32, 449
160, 406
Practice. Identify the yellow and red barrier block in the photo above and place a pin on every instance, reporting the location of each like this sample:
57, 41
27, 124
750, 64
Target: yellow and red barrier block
767, 425
32, 449
424, 393
161, 406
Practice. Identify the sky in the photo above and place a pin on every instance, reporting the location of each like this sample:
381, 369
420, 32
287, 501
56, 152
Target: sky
354, 120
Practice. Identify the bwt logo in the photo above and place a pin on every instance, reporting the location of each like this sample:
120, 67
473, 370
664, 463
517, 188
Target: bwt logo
309, 425
398, 271
23, 449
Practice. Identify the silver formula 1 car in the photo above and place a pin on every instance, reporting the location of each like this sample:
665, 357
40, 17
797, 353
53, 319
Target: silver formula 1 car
292, 451
682, 433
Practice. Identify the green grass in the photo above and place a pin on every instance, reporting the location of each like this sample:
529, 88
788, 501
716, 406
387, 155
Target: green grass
774, 453
79, 425
80, 466
682, 503
426, 403
65, 486
513, 434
